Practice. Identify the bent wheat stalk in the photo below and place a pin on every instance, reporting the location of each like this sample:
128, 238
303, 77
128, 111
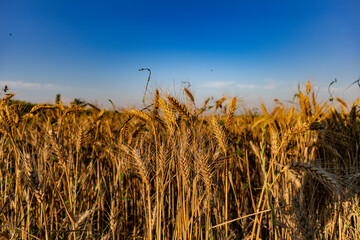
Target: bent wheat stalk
326, 178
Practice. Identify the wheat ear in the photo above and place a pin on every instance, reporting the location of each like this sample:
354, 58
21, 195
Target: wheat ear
219, 103
155, 111
326, 178
219, 134
141, 115
190, 95
59, 150
43, 106
170, 118
230, 116
181, 109
6, 99
32, 179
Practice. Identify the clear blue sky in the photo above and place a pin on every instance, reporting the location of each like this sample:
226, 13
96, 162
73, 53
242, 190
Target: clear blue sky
249, 49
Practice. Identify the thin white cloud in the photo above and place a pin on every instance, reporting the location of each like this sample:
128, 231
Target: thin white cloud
247, 86
13, 85
218, 84
270, 84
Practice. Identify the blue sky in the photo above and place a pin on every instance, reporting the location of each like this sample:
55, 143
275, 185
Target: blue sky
255, 50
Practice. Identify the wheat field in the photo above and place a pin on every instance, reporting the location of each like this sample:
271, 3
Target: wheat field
175, 170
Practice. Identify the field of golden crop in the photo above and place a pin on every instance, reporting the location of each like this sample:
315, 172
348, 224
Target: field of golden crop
175, 170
